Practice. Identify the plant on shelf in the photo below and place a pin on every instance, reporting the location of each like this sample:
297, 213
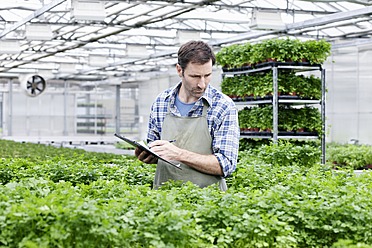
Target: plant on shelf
245, 55
256, 119
313, 119
234, 56
278, 49
260, 118
260, 85
229, 86
228, 56
282, 50
313, 86
316, 51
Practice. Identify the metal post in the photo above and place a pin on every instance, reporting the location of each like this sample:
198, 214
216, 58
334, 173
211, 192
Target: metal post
95, 108
117, 116
323, 116
10, 103
65, 108
1, 113
275, 104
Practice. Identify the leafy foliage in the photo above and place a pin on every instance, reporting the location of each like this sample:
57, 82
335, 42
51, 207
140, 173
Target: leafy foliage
350, 156
278, 49
260, 118
261, 85
269, 203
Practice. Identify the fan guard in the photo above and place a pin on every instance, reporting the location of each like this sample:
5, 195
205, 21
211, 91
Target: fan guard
35, 85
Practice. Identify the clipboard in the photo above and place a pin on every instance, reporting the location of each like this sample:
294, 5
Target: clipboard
147, 149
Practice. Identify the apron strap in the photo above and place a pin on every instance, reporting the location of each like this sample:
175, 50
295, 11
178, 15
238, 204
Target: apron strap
205, 106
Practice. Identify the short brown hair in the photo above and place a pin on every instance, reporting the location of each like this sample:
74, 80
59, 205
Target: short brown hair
197, 52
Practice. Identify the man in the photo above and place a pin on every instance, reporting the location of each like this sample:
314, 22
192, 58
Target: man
202, 122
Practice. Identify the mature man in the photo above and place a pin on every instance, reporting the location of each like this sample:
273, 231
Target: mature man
202, 121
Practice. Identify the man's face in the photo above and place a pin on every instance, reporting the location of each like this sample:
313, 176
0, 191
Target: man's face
195, 79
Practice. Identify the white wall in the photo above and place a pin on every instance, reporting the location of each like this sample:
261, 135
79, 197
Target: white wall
39, 116
349, 96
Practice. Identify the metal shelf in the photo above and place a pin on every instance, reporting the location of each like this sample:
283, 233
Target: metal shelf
298, 66
276, 100
269, 101
281, 135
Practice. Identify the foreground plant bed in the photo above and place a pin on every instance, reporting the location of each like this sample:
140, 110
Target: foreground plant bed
265, 206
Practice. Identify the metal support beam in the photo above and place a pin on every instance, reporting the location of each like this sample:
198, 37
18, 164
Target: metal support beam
275, 104
10, 104
117, 112
36, 14
332, 18
65, 103
323, 103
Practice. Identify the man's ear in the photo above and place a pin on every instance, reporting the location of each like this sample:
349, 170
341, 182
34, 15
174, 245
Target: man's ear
179, 70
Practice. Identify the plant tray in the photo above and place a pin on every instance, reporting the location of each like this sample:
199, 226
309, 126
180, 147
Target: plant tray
256, 133
258, 98
243, 68
275, 63
271, 64
295, 133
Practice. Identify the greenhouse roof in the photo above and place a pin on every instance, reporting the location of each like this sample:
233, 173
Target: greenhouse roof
86, 40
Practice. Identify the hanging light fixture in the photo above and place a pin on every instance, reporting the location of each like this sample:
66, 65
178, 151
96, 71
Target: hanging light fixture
97, 61
185, 36
136, 51
10, 46
88, 10
39, 32
263, 20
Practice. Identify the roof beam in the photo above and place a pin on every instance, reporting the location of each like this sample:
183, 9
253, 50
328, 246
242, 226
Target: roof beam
332, 18
36, 14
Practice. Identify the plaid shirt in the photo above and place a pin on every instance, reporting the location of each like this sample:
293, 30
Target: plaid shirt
222, 120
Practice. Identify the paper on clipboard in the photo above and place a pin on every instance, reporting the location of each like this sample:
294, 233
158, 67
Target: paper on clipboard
147, 149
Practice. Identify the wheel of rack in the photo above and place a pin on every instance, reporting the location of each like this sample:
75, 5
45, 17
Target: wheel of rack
275, 100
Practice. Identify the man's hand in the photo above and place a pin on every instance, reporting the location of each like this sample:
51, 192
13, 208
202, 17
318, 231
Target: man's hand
145, 156
204, 163
166, 150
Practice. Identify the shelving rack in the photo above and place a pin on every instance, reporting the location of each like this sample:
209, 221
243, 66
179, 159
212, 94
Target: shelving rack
275, 100
89, 121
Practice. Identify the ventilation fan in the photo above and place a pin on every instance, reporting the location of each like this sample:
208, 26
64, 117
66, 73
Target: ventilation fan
34, 85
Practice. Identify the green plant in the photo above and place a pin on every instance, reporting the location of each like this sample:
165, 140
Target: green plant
316, 51
289, 119
279, 196
349, 156
278, 49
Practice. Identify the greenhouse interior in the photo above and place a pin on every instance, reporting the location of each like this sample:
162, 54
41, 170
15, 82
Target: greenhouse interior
104, 66
73, 73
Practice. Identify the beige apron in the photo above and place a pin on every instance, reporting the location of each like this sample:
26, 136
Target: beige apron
192, 134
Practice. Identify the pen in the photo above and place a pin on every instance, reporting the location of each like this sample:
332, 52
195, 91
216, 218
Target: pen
171, 141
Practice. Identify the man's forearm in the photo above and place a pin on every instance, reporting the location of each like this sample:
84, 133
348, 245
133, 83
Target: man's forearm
208, 164
204, 163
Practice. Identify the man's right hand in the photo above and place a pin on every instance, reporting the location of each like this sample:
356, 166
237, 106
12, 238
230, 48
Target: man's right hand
145, 156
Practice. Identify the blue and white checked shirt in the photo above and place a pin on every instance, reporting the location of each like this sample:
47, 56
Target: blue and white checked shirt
222, 120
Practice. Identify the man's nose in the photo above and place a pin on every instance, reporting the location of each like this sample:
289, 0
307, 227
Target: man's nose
201, 83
